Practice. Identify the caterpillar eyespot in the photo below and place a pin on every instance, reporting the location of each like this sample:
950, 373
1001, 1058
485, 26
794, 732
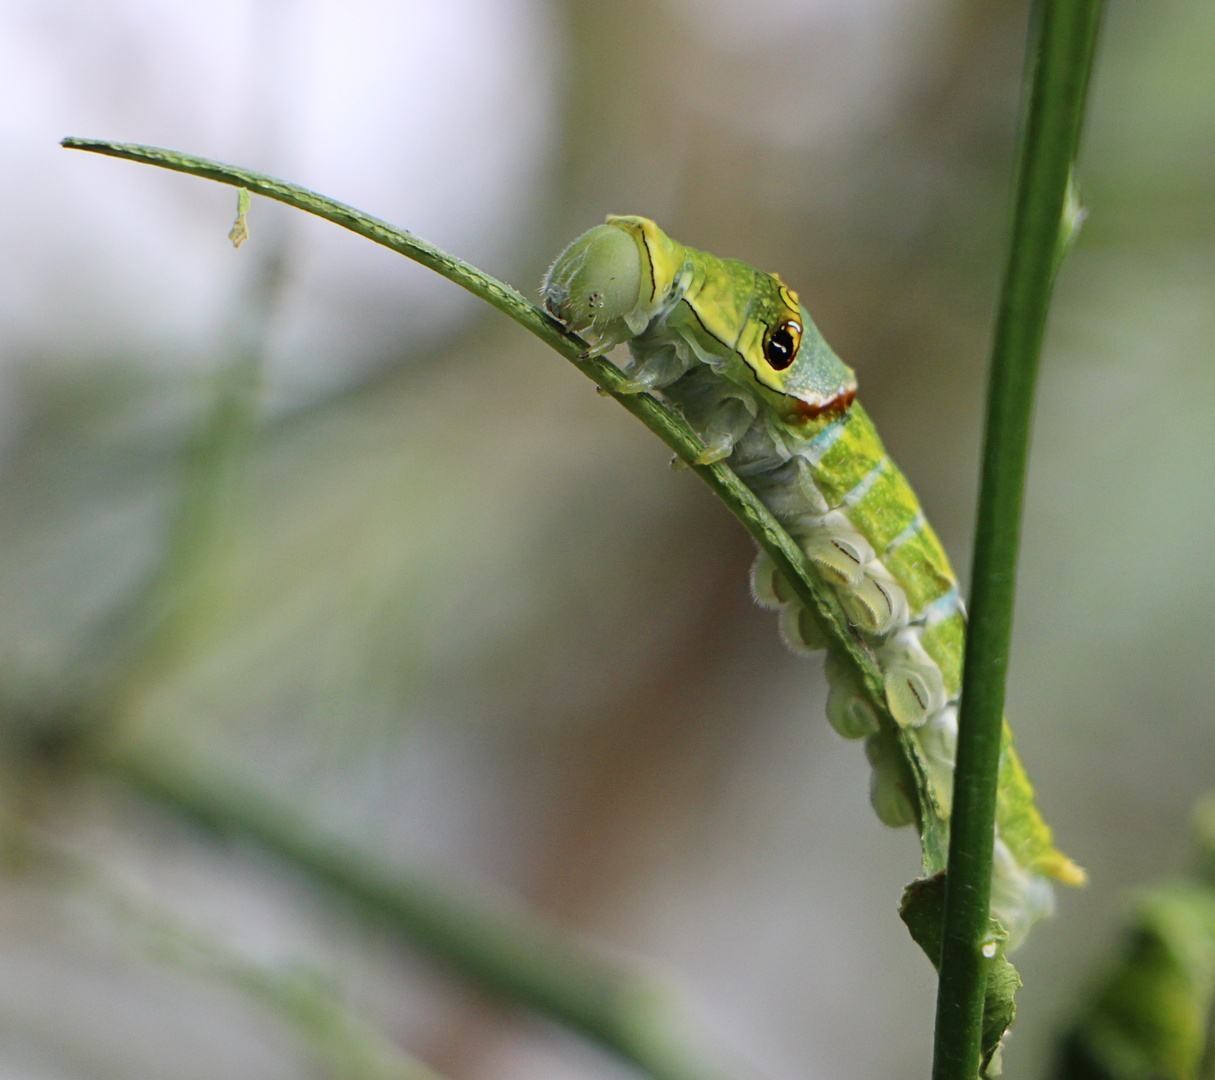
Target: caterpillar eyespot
780, 348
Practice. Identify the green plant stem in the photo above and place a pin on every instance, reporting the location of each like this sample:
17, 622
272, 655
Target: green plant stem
1066, 32
666, 424
505, 950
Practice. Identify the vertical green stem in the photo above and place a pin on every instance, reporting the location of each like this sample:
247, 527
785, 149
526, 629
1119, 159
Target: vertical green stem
1066, 31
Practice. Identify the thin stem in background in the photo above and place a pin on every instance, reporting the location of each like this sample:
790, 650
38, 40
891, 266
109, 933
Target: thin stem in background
519, 956
341, 1042
1066, 32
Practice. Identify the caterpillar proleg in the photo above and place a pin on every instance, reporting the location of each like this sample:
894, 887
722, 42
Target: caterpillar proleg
737, 353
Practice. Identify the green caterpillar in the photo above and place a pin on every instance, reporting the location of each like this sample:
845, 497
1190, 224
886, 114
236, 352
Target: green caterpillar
735, 351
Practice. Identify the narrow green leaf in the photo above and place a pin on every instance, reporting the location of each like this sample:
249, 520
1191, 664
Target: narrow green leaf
663, 421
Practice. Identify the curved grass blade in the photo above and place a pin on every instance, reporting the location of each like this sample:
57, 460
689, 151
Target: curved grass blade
663, 421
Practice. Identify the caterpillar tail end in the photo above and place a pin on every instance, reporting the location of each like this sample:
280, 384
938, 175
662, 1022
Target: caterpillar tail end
1021, 824
1055, 864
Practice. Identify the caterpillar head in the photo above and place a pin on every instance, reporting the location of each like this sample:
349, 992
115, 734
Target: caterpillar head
780, 351
627, 275
608, 284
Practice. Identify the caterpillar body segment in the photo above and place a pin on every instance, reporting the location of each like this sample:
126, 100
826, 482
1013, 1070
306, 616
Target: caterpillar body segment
736, 351
848, 710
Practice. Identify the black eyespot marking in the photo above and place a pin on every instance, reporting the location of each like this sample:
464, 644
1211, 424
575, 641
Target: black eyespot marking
780, 349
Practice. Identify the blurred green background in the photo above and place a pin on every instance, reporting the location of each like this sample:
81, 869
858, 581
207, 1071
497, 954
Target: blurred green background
304, 516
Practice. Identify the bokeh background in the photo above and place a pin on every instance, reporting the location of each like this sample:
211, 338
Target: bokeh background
305, 516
